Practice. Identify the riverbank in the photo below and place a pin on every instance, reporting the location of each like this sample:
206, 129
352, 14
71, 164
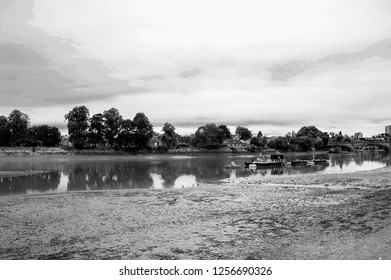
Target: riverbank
345, 216
44, 151
8, 174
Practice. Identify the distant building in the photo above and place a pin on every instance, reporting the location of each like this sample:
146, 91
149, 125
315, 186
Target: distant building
155, 143
235, 143
388, 130
358, 135
65, 142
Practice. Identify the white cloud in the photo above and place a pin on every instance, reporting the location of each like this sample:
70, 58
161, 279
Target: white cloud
131, 55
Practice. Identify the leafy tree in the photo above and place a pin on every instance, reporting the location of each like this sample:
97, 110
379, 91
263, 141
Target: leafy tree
77, 125
126, 139
225, 131
325, 138
5, 132
309, 131
97, 128
208, 136
347, 139
18, 123
304, 143
279, 143
243, 133
318, 143
112, 122
143, 131
260, 134
44, 135
170, 138
319, 140
255, 141
339, 137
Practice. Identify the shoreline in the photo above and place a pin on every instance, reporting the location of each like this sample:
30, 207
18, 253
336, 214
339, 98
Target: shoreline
8, 174
312, 216
47, 151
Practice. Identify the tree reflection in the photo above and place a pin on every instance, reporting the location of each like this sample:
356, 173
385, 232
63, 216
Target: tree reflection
48, 181
109, 175
172, 171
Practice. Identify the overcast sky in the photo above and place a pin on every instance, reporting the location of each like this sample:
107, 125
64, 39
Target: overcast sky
267, 65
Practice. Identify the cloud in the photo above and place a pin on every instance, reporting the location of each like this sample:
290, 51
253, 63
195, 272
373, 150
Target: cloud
150, 78
196, 122
189, 73
292, 68
381, 49
28, 80
261, 70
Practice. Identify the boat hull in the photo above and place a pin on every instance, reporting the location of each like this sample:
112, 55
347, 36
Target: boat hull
299, 162
264, 164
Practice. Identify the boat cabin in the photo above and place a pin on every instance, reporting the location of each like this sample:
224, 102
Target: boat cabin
271, 155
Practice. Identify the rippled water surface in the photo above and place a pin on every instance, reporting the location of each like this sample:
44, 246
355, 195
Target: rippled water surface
161, 171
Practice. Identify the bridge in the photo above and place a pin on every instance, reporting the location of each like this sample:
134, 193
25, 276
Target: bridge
361, 144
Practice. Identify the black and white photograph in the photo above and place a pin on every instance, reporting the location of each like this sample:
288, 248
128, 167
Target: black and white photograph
195, 130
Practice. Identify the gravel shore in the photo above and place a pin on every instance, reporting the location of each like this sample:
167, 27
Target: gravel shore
345, 216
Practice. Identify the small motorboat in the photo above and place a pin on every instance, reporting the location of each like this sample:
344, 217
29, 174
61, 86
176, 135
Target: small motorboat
252, 166
270, 158
233, 165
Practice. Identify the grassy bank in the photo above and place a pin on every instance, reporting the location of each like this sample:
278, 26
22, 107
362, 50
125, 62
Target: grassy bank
38, 151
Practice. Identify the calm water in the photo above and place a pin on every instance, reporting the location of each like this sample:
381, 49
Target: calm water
103, 173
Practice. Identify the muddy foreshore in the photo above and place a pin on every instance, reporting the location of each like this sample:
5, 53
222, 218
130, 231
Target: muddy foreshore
345, 216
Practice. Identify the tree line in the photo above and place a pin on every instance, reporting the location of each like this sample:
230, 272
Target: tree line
308, 138
111, 129
15, 131
108, 128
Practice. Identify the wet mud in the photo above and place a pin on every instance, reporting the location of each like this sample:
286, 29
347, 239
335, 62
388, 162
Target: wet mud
345, 216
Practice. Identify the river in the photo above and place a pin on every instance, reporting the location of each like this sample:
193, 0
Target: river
83, 173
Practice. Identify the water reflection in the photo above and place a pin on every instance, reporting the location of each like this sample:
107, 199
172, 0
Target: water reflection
102, 173
108, 175
39, 183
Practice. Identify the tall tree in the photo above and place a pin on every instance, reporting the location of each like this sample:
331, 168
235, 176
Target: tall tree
77, 125
312, 135
96, 130
339, 137
18, 123
260, 134
311, 131
208, 136
243, 133
279, 143
126, 139
255, 141
5, 132
44, 135
225, 131
143, 130
112, 123
170, 138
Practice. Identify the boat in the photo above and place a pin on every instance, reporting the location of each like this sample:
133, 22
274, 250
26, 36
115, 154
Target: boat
269, 158
262, 163
233, 165
252, 166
